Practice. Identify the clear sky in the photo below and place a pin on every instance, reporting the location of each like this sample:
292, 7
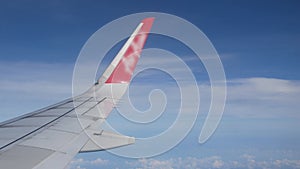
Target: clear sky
258, 43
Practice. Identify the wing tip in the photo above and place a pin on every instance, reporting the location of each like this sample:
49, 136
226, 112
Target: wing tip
122, 73
147, 24
148, 20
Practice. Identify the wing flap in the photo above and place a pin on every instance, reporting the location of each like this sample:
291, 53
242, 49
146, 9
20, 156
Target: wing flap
104, 140
49, 139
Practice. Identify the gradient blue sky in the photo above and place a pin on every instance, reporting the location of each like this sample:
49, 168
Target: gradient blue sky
258, 43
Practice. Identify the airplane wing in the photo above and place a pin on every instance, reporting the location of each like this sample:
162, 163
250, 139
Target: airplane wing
50, 137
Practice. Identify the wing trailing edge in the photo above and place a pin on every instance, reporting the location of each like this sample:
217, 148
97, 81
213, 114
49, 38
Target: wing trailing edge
105, 140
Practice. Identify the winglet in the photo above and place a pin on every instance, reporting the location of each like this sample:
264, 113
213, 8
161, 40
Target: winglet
122, 67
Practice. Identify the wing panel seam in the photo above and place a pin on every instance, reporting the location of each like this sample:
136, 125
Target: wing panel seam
42, 126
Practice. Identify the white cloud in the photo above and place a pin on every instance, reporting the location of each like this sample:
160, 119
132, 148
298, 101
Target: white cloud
265, 88
286, 163
263, 97
257, 97
35, 78
218, 164
251, 162
247, 97
28, 86
245, 162
177, 163
99, 161
155, 164
78, 167
78, 163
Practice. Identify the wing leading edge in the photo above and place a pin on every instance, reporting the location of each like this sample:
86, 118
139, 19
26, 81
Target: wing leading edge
50, 137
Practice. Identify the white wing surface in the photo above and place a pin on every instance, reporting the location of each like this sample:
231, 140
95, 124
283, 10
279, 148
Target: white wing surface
50, 137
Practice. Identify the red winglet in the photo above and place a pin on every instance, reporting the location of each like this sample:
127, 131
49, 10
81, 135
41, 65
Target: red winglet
124, 70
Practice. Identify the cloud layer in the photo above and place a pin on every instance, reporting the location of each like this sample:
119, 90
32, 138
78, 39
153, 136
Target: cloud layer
263, 97
245, 161
27, 86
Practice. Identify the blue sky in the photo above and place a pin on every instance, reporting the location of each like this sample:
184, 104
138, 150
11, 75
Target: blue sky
258, 43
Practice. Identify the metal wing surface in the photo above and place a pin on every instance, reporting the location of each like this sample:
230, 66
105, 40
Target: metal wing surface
50, 137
